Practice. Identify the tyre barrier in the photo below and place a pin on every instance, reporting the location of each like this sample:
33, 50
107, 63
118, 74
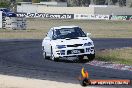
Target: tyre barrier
15, 23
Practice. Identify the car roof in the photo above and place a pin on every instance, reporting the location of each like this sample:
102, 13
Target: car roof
60, 27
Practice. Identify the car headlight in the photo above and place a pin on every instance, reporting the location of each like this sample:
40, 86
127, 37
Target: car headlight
60, 46
88, 44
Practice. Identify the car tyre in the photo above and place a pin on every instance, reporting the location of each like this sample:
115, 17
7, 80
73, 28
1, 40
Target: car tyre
91, 57
52, 56
44, 54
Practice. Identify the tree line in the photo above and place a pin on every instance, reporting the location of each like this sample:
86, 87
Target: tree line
85, 3
88, 2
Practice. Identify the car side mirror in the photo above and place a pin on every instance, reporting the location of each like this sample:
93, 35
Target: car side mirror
47, 38
89, 34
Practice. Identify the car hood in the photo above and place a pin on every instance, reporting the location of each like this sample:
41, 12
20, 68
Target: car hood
80, 40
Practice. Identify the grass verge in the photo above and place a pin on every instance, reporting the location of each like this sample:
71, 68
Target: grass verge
121, 56
37, 28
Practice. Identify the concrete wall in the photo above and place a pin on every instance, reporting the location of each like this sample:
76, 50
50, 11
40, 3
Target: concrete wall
110, 10
67, 10
55, 4
113, 11
28, 8
87, 10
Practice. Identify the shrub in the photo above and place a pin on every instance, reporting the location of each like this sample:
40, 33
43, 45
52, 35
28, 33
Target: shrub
4, 4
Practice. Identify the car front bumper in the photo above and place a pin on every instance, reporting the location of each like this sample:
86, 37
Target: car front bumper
68, 52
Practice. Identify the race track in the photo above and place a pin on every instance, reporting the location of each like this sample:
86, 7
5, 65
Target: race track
24, 58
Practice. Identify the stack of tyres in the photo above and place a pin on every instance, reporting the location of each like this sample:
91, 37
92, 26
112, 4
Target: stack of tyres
11, 23
21, 23
15, 23
3, 22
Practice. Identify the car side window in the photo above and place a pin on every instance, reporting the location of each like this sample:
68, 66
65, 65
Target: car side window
50, 34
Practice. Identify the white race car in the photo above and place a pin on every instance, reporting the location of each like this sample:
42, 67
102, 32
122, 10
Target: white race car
67, 42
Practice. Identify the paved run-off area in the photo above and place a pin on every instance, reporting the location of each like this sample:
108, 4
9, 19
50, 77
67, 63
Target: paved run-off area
20, 82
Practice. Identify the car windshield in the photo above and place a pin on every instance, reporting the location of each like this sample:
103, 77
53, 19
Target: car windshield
68, 33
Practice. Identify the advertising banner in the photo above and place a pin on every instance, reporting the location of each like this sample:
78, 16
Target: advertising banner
130, 17
91, 17
46, 15
121, 17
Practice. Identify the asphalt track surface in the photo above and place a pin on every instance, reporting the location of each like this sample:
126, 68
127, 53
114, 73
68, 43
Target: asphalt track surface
24, 58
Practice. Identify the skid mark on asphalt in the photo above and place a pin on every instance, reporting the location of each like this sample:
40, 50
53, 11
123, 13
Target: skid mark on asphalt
110, 65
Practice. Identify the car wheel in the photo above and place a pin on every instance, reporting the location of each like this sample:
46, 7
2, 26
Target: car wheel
44, 54
91, 57
52, 56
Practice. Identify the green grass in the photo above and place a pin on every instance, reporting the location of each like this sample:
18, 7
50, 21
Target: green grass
122, 56
21, 34
37, 28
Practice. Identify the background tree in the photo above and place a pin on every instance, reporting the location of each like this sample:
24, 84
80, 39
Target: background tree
5, 3
35, 1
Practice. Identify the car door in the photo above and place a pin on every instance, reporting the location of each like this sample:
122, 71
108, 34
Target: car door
47, 42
